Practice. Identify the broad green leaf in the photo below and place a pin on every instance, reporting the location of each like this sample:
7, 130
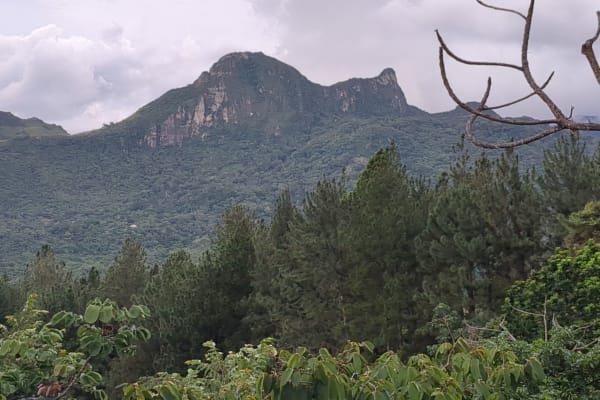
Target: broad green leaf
169, 392
415, 392
285, 377
92, 312
106, 314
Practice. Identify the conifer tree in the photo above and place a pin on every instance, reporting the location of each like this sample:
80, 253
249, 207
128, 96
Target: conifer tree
227, 270
387, 210
49, 279
127, 276
175, 297
484, 232
311, 280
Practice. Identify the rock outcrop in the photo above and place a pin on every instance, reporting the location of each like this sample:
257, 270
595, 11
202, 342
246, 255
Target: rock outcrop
255, 91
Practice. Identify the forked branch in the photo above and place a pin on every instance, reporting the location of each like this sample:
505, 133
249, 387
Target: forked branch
588, 51
560, 120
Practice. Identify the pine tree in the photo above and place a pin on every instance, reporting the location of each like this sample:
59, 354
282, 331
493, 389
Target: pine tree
310, 281
485, 231
227, 270
387, 210
175, 297
49, 279
127, 276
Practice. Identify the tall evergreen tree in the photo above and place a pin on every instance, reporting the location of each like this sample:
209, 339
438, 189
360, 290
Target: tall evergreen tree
312, 310
484, 232
387, 210
8, 298
49, 278
571, 176
227, 270
175, 298
268, 301
127, 275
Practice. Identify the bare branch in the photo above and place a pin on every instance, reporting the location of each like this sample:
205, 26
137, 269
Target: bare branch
477, 142
501, 9
468, 62
480, 113
527, 71
588, 51
560, 121
512, 103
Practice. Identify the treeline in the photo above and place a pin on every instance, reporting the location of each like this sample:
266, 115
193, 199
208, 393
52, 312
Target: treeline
398, 260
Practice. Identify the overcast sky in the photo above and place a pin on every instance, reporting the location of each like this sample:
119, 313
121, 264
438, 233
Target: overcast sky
82, 63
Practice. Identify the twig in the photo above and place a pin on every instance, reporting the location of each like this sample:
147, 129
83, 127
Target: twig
75, 377
587, 50
501, 9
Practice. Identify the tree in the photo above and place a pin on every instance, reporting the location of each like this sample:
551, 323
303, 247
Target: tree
484, 231
386, 211
127, 276
226, 272
565, 289
583, 225
8, 297
269, 292
313, 272
175, 296
49, 279
560, 121
571, 176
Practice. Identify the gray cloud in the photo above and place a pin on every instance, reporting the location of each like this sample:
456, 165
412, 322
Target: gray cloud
353, 38
82, 64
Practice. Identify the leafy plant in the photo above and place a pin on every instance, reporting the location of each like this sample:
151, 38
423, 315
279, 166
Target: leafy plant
457, 371
58, 357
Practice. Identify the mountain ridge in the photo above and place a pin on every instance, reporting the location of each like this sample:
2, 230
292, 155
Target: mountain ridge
251, 90
83, 194
13, 127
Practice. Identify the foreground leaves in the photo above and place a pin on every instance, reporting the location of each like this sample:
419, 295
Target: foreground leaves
457, 371
57, 358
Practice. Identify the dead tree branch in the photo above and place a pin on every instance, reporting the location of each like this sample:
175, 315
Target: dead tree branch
558, 123
588, 51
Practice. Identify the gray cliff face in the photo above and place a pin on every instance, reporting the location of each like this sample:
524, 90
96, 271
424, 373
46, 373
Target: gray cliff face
257, 91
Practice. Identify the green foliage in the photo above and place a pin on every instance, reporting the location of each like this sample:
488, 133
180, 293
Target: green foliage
458, 371
583, 225
386, 211
569, 360
566, 288
42, 356
309, 305
83, 194
127, 276
50, 280
570, 176
485, 231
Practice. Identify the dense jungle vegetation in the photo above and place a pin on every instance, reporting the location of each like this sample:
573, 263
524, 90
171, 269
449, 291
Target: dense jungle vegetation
484, 284
84, 194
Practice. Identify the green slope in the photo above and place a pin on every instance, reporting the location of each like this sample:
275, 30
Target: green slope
84, 194
12, 127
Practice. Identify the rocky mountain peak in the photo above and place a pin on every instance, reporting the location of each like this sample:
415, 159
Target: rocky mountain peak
253, 90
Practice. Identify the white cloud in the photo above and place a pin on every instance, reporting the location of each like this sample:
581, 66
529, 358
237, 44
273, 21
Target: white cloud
121, 56
82, 64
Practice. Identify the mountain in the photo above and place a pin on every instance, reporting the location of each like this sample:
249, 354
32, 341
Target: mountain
254, 91
12, 127
244, 130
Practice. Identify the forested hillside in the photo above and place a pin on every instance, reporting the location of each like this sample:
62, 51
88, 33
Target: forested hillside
85, 194
454, 287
